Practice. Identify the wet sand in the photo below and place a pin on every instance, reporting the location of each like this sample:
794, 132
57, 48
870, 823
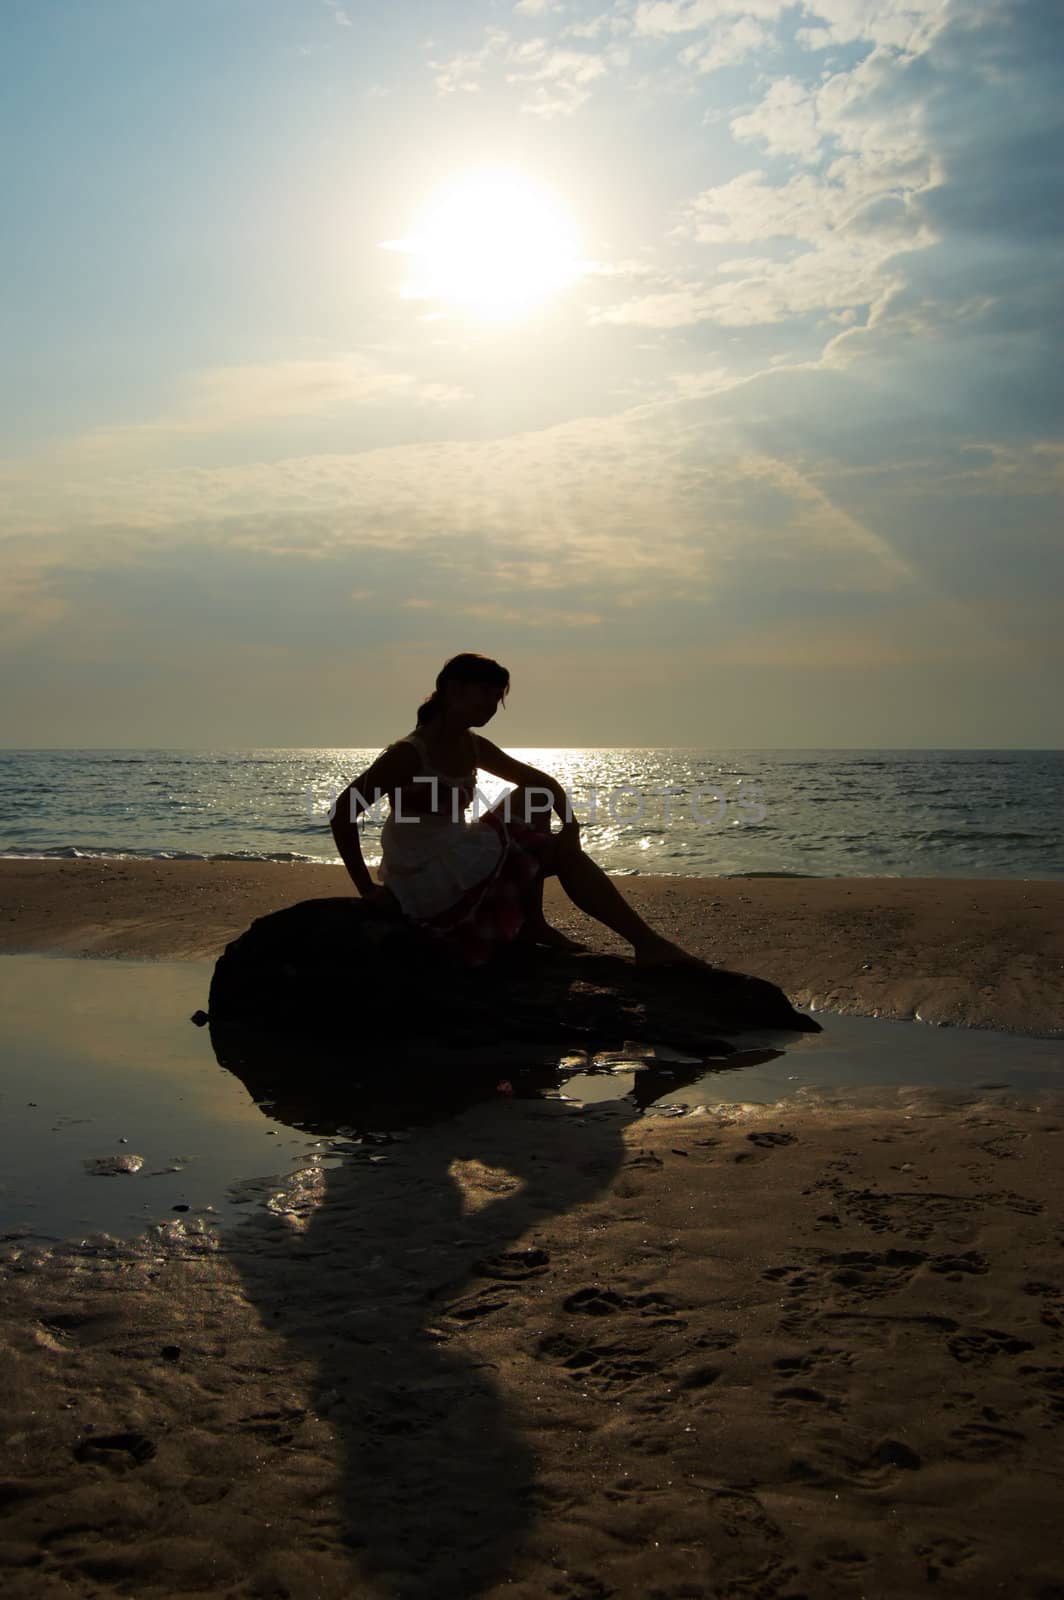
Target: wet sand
545, 1350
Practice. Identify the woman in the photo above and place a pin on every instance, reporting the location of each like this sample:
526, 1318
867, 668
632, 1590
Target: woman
477, 885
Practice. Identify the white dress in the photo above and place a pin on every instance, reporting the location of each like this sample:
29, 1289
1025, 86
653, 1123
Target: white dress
431, 858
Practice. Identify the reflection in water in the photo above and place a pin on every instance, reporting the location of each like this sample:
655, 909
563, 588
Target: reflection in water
314, 1085
399, 1258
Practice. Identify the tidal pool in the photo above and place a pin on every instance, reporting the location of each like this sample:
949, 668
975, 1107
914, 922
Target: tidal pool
116, 1112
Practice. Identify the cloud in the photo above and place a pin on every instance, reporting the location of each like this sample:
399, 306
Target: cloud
902, 24
734, 515
558, 78
30, 603
899, 24
659, 18
839, 235
228, 400
339, 15
842, 273
522, 617
732, 42
462, 73
560, 81
970, 316
785, 122
645, 498
942, 130
594, 27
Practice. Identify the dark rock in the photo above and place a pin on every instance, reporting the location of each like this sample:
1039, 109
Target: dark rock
316, 1006
341, 966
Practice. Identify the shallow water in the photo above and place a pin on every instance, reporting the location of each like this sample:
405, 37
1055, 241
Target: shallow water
102, 1063
856, 1060
115, 1113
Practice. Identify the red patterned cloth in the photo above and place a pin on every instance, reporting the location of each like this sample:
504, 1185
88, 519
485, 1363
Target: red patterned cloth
492, 913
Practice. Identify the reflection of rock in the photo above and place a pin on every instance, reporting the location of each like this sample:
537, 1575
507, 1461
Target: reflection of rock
328, 1086
341, 968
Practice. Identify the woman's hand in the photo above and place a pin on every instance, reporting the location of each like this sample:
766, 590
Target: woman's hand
381, 897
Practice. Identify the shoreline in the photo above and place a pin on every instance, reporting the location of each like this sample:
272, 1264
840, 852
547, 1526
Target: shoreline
981, 953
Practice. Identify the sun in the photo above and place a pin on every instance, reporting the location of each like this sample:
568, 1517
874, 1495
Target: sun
493, 244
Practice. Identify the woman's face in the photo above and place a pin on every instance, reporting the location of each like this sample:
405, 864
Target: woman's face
475, 703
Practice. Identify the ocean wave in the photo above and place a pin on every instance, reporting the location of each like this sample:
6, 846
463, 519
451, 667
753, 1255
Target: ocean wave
776, 874
974, 836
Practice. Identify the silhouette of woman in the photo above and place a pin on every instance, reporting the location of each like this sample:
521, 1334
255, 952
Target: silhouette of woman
478, 885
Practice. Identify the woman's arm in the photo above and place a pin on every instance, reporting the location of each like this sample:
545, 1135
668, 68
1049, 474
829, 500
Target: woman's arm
392, 768
496, 761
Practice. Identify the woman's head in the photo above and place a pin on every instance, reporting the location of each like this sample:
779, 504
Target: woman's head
471, 683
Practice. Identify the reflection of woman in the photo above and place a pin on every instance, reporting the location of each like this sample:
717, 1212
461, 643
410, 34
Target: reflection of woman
477, 884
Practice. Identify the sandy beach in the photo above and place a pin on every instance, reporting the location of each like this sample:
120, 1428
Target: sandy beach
986, 953
550, 1350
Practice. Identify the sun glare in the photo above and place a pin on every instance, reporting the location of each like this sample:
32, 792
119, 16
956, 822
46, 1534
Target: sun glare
492, 244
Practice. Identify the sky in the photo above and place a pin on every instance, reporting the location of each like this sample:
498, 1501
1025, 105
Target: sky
700, 361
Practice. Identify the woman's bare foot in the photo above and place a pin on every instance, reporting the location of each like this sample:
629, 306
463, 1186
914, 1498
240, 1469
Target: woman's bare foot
659, 952
542, 933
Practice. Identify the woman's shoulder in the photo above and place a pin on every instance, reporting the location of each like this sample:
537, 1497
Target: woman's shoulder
398, 761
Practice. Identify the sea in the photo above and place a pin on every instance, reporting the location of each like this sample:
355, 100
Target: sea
688, 812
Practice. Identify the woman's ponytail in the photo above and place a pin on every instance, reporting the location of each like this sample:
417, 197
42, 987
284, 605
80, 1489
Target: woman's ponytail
429, 708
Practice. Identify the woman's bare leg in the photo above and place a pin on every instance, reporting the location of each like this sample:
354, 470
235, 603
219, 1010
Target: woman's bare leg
539, 930
596, 894
589, 888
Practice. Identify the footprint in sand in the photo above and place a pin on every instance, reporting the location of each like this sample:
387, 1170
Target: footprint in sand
869, 1274
513, 1266
971, 1262
600, 1365
1051, 1295
276, 1427
822, 1356
982, 1441
117, 1450
742, 1514
764, 1141
593, 1301
983, 1344
801, 1396
1051, 1381
942, 1556
716, 1339
841, 1560
474, 1307
918, 1216
880, 1468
